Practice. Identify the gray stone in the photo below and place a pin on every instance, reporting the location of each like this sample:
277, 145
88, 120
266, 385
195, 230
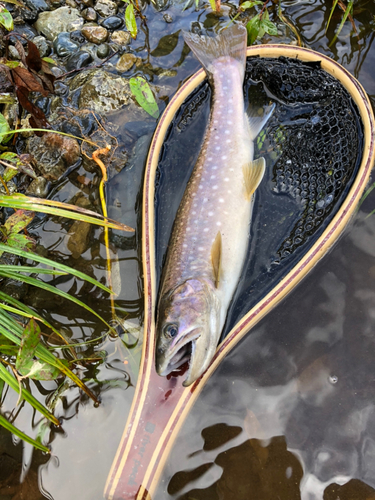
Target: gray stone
112, 23
103, 50
38, 5
13, 52
42, 45
50, 24
95, 34
53, 154
125, 62
106, 8
38, 188
101, 91
121, 38
89, 14
79, 60
168, 18
78, 241
64, 46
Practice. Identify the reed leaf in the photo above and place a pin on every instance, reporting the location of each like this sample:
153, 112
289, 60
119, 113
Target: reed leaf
13, 429
26, 395
32, 269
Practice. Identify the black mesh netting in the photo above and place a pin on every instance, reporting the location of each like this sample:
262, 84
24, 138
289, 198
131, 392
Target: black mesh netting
313, 147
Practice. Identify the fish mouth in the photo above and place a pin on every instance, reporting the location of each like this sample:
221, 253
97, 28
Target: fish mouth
182, 352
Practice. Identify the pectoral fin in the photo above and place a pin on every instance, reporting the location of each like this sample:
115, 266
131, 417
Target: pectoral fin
253, 173
216, 258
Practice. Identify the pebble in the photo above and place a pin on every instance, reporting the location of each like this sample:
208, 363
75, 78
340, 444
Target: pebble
103, 50
121, 37
13, 52
125, 62
38, 188
95, 34
63, 45
89, 14
77, 36
42, 45
78, 60
51, 23
106, 8
168, 18
38, 5
112, 23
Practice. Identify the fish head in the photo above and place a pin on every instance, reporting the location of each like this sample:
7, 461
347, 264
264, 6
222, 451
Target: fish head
188, 329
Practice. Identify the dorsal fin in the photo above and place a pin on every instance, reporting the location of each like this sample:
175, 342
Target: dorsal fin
253, 173
216, 258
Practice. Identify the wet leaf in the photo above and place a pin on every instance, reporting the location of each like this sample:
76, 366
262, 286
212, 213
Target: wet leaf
21, 242
6, 19
166, 45
18, 221
15, 2
130, 21
144, 96
25, 362
253, 27
36, 113
33, 59
11, 64
49, 60
19, 164
269, 27
4, 128
213, 5
24, 78
249, 5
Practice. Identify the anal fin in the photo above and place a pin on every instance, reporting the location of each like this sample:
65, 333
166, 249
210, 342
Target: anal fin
216, 258
253, 173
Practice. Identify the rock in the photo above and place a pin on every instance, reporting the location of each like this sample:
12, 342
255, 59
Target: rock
38, 188
28, 15
63, 45
13, 52
121, 38
61, 88
42, 45
125, 62
112, 23
103, 50
106, 8
168, 18
78, 241
77, 36
89, 14
50, 24
95, 34
53, 154
78, 60
38, 5
71, 3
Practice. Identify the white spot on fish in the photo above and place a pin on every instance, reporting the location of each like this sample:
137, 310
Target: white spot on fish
230, 123
227, 131
184, 245
193, 267
200, 187
212, 176
201, 249
228, 141
224, 157
210, 214
214, 168
205, 229
221, 200
226, 179
218, 223
194, 212
230, 111
231, 169
217, 148
229, 191
214, 187
188, 229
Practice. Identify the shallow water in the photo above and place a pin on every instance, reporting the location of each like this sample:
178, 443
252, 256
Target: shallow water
290, 412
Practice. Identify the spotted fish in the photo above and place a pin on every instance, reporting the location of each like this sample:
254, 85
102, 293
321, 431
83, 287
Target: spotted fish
210, 235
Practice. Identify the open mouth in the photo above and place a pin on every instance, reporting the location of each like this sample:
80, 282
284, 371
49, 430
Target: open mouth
182, 352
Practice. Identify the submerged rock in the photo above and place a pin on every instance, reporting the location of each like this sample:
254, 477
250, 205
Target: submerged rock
112, 23
78, 241
103, 50
38, 188
121, 38
125, 62
101, 91
42, 45
53, 154
63, 45
78, 60
51, 23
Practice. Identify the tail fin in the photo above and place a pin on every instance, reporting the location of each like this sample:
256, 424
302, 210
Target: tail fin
230, 42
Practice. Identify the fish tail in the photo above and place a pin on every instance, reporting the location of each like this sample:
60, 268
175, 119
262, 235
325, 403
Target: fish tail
230, 42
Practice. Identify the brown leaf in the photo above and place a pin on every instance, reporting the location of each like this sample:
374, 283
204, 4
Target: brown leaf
38, 118
24, 78
33, 59
47, 82
18, 45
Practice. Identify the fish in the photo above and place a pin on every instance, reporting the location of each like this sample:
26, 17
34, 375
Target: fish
210, 234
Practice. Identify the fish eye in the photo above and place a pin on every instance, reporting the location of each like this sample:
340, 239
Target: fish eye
171, 330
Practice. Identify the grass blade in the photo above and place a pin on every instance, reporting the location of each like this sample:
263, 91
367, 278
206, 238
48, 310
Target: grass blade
60, 209
344, 18
331, 13
32, 269
11, 428
49, 262
26, 395
52, 289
